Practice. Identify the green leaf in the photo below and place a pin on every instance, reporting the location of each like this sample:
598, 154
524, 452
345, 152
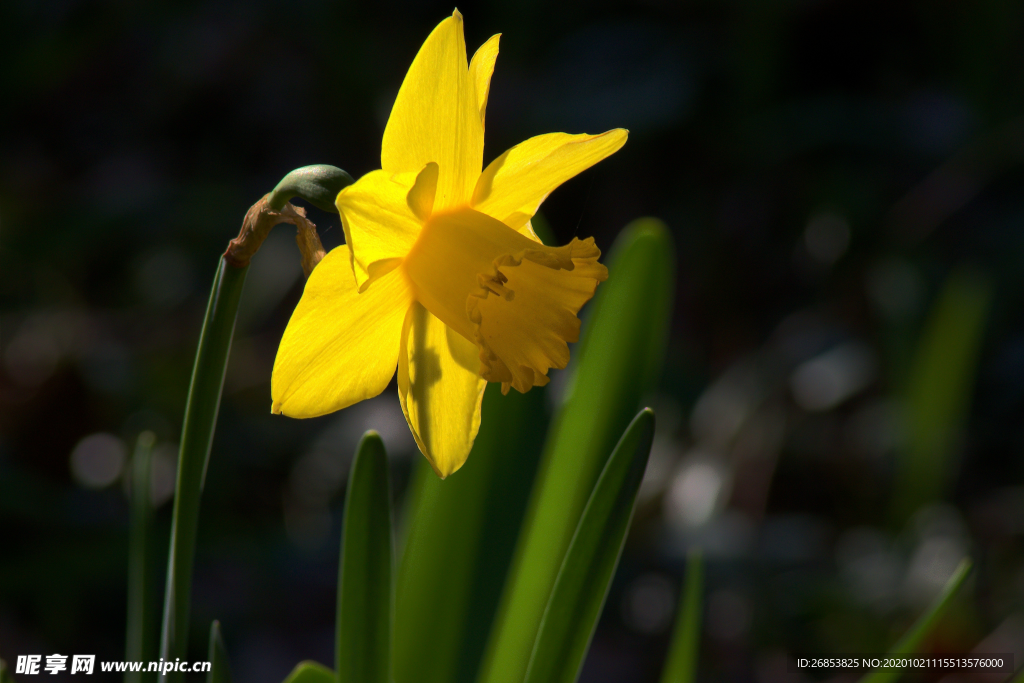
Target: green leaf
911, 641
543, 229
196, 439
582, 584
363, 633
618, 361
318, 184
220, 670
459, 543
681, 666
5, 673
138, 636
938, 393
310, 672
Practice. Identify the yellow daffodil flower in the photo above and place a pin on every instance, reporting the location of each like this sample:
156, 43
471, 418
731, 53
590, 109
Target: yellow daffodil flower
441, 273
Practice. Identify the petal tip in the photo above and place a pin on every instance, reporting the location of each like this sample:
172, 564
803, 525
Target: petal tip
275, 408
437, 470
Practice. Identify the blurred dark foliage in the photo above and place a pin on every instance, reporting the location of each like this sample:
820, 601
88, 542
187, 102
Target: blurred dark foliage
826, 168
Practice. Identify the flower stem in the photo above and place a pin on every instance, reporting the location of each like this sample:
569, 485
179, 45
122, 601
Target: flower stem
314, 184
196, 439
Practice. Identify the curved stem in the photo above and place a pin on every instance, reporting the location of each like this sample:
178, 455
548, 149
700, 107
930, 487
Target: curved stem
196, 440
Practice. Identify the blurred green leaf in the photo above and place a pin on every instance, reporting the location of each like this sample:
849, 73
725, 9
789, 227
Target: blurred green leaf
582, 584
196, 440
363, 633
310, 672
939, 391
220, 669
618, 361
5, 673
461, 534
683, 654
911, 641
543, 230
138, 636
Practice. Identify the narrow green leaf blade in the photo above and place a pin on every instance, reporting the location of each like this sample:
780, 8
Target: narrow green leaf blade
196, 441
681, 666
363, 633
586, 573
459, 541
938, 391
310, 672
138, 638
618, 361
220, 670
911, 641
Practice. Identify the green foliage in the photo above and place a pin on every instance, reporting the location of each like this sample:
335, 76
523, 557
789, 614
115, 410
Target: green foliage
582, 584
363, 633
913, 638
461, 533
939, 390
138, 638
220, 669
5, 673
617, 361
310, 672
681, 666
196, 440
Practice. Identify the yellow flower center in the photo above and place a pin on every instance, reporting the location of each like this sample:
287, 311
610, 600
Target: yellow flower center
514, 298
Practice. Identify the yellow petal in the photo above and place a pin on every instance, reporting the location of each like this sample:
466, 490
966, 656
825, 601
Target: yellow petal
380, 226
440, 389
521, 178
480, 69
516, 298
527, 231
340, 347
424, 190
518, 220
436, 117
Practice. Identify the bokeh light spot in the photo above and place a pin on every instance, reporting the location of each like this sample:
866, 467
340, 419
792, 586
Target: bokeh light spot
97, 460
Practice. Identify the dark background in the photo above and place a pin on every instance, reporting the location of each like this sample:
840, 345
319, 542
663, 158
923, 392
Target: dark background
826, 167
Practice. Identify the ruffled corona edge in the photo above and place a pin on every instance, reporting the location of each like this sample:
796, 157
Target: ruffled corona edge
525, 311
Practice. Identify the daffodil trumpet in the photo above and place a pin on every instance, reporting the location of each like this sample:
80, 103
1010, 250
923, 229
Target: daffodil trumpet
442, 275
